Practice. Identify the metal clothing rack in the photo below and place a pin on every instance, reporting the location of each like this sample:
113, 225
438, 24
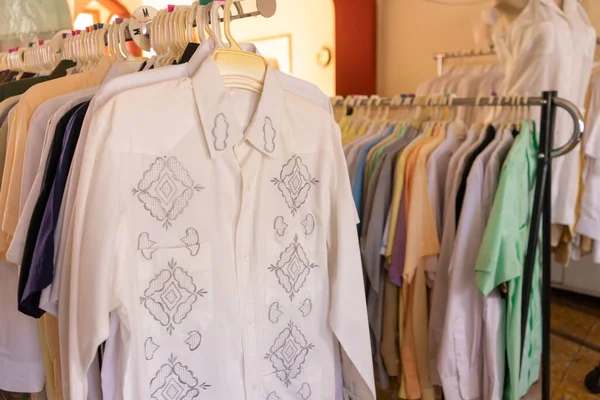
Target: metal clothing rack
241, 15
542, 205
440, 57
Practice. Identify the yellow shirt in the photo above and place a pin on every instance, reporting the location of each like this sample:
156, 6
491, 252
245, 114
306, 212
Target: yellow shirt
410, 387
422, 241
397, 193
421, 232
10, 193
5, 178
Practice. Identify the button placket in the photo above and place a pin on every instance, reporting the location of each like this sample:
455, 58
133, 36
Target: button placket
244, 269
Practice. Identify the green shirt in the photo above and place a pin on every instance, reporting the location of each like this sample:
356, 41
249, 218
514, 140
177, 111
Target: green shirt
501, 259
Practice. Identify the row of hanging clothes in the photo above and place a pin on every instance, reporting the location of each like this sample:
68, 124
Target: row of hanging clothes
442, 258
175, 228
445, 202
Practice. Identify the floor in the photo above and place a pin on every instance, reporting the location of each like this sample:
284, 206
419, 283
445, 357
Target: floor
575, 319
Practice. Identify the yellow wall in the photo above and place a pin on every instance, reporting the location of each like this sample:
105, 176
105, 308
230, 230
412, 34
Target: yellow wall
411, 31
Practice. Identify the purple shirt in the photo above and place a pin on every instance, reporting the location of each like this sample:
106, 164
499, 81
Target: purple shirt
399, 254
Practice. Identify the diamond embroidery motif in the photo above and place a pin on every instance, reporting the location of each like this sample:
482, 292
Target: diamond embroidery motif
174, 381
294, 183
171, 296
293, 268
165, 189
288, 353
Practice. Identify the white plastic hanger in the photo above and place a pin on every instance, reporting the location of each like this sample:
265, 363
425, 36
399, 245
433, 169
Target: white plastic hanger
111, 41
155, 37
200, 21
189, 22
122, 28
207, 13
239, 69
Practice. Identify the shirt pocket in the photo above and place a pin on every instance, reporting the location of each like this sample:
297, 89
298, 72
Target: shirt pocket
177, 295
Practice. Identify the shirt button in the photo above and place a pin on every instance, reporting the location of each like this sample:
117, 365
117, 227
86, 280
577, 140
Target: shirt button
254, 386
250, 321
246, 256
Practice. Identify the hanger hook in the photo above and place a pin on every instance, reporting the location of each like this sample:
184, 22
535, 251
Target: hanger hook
233, 45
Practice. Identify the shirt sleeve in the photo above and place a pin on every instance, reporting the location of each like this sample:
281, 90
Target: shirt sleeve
8, 164
422, 237
348, 308
499, 259
93, 281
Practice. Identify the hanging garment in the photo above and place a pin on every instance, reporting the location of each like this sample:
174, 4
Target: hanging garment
494, 306
501, 257
10, 193
277, 303
588, 223
547, 48
439, 294
381, 185
461, 358
112, 378
437, 169
20, 353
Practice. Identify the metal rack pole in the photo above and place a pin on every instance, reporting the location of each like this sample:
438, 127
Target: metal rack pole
546, 248
233, 17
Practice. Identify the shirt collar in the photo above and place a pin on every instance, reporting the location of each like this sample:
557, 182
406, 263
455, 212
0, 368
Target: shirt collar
219, 120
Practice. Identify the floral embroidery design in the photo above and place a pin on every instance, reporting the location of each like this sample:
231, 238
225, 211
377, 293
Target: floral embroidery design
174, 381
146, 245
293, 268
280, 226
165, 189
308, 224
171, 296
220, 132
275, 312
193, 340
305, 391
306, 308
150, 348
294, 183
190, 241
269, 134
273, 396
288, 353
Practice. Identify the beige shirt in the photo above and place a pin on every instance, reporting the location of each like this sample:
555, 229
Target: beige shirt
10, 193
422, 241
